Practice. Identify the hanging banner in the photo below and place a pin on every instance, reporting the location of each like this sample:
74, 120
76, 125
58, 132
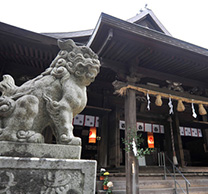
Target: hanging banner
89, 121
194, 132
86, 120
199, 133
150, 140
79, 120
181, 131
96, 121
187, 131
162, 129
122, 125
140, 126
92, 135
156, 128
148, 127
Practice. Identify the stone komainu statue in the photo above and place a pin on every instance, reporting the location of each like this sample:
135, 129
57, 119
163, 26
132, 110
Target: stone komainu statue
53, 98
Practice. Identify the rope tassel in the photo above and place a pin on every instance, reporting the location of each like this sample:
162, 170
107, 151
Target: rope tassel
158, 101
202, 110
180, 106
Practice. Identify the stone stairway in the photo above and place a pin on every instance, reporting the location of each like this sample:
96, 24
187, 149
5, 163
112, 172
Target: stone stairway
152, 182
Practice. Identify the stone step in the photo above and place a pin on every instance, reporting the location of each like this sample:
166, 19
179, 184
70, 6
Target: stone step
194, 169
114, 192
142, 191
170, 183
161, 174
195, 190
119, 185
154, 184
156, 191
145, 170
198, 186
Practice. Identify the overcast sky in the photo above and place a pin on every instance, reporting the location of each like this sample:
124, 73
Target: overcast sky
184, 19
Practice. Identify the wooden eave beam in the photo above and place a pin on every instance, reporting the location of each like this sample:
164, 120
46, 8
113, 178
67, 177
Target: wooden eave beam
122, 68
174, 56
99, 108
19, 33
21, 69
161, 46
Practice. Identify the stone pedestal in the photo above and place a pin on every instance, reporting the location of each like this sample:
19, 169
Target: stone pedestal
42, 169
46, 176
39, 150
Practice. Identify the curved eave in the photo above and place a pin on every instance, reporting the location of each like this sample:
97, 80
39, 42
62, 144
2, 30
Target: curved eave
13, 31
133, 43
107, 21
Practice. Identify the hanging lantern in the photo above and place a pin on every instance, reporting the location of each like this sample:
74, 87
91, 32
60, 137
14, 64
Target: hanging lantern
92, 135
202, 110
180, 106
150, 140
158, 101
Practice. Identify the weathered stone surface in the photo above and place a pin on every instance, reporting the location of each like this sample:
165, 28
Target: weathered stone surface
46, 176
41, 150
53, 98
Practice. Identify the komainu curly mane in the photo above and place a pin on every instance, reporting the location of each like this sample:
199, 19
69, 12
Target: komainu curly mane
53, 98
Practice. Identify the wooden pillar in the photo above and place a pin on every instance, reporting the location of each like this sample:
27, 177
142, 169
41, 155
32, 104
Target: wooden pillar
103, 151
179, 140
114, 138
205, 134
131, 163
167, 146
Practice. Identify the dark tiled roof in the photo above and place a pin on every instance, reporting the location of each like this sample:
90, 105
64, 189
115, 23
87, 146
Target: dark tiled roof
123, 43
139, 30
64, 35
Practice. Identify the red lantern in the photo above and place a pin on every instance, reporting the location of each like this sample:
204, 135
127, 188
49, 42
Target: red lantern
150, 140
92, 135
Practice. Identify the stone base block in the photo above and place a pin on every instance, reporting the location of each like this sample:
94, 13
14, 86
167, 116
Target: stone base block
47, 176
39, 150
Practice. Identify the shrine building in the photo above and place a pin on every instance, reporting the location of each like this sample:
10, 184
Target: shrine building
167, 77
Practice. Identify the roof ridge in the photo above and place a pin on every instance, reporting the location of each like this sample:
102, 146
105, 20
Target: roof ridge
143, 14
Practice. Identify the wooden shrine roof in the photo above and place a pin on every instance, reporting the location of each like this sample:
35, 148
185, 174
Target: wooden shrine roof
123, 43
23, 52
118, 43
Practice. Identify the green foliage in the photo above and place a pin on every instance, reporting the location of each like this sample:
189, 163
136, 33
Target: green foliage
137, 138
109, 191
105, 182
